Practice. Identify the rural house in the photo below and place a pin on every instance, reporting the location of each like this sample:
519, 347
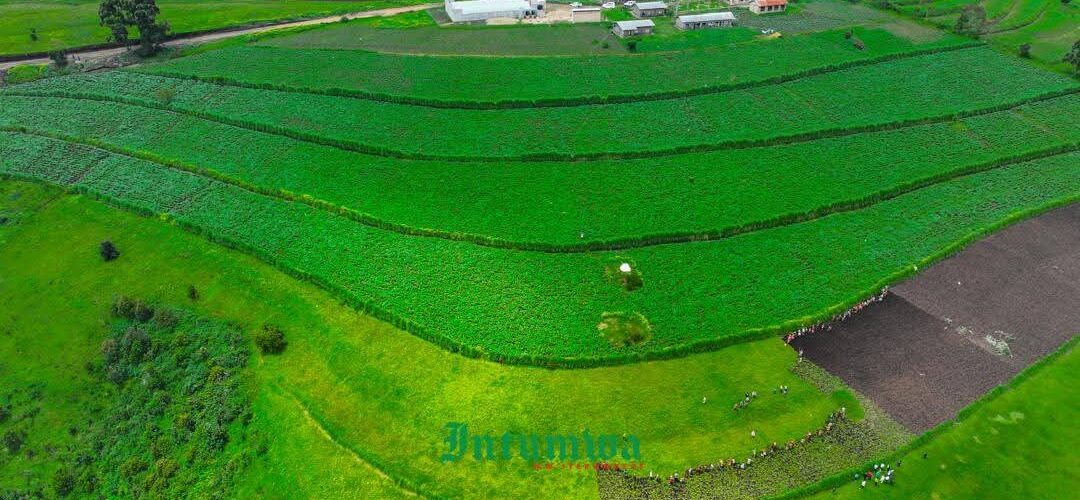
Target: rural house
709, 20
649, 9
767, 6
480, 10
623, 29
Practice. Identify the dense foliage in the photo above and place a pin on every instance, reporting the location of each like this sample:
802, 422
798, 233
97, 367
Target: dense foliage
932, 87
517, 81
179, 410
556, 204
506, 308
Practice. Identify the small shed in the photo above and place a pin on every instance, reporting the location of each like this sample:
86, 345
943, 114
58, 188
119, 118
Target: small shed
768, 6
649, 9
709, 20
623, 29
585, 15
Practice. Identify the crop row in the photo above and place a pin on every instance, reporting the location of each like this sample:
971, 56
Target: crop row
903, 92
493, 83
553, 207
537, 308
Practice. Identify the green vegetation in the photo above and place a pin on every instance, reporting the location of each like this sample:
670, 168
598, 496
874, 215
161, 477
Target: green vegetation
175, 385
857, 99
516, 40
545, 205
506, 81
401, 278
1007, 445
1050, 27
61, 24
330, 408
26, 73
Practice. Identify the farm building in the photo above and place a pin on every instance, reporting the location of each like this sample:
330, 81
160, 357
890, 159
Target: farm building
623, 29
585, 15
480, 10
767, 6
649, 9
740, 3
709, 20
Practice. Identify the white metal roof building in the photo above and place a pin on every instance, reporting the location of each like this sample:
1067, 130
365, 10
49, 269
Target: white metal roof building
709, 20
479, 10
649, 9
624, 29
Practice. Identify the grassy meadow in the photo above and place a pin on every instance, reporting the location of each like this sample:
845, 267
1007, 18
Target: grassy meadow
314, 405
63, 24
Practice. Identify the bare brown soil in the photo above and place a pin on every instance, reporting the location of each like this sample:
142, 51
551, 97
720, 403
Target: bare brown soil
922, 354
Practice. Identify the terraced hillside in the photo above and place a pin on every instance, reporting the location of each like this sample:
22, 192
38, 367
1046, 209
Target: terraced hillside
746, 209
1049, 27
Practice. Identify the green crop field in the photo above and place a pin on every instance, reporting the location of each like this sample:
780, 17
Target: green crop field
62, 24
926, 88
535, 229
423, 79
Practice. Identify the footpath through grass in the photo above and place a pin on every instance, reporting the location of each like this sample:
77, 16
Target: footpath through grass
62, 24
344, 404
539, 308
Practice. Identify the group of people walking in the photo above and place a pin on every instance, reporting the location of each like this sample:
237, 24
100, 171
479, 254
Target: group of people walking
827, 325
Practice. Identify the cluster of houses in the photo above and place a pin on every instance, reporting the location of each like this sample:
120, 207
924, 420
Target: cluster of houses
643, 10
480, 10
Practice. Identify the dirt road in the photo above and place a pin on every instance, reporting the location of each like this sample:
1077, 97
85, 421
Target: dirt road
90, 55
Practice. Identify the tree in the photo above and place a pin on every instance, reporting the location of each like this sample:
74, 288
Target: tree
109, 251
120, 15
1025, 50
270, 340
33, 35
1073, 57
59, 58
972, 20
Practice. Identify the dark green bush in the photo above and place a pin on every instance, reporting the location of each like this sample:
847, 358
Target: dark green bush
108, 251
270, 340
13, 441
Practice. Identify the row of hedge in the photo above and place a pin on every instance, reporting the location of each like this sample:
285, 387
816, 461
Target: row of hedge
558, 102
478, 352
591, 246
353, 146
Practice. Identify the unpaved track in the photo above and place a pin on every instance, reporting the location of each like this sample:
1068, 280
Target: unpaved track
921, 354
90, 55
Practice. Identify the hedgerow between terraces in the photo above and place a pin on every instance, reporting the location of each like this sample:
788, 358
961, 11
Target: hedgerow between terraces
508, 82
935, 87
541, 204
541, 308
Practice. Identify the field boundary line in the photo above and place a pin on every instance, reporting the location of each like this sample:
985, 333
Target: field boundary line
555, 102
356, 453
676, 351
625, 243
357, 147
